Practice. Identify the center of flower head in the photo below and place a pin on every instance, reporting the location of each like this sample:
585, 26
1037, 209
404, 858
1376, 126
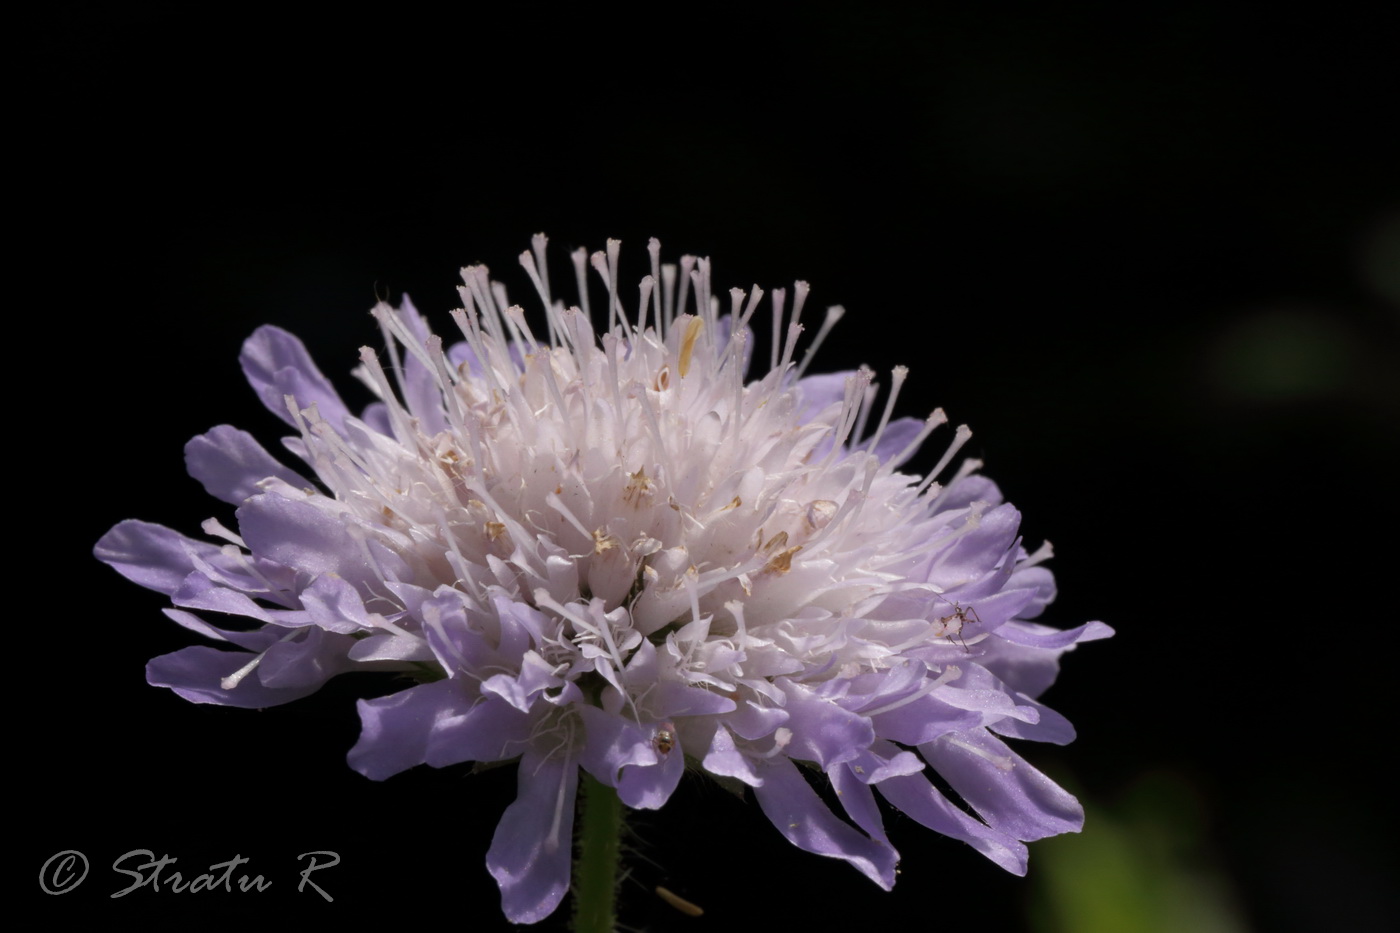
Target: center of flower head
636, 485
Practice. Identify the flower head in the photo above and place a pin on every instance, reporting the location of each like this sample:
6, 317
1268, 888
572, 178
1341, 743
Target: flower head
619, 554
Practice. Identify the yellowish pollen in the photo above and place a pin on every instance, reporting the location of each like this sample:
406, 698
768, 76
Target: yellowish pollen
692, 331
639, 486
782, 561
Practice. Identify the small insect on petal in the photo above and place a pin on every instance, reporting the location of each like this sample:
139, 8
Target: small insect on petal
665, 738
951, 626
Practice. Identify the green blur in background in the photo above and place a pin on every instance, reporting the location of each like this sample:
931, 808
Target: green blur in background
1143, 864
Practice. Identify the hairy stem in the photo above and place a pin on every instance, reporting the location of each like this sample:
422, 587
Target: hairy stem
595, 868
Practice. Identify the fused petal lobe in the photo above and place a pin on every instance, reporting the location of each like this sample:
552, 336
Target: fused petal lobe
230, 464
277, 365
530, 853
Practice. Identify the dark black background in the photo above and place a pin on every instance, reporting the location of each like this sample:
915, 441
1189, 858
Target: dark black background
1144, 253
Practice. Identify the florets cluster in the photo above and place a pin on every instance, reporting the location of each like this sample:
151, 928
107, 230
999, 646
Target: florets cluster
618, 553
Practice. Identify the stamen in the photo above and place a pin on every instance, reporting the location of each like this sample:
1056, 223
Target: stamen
867, 402
794, 330
557, 504
738, 341
580, 258
705, 307
232, 681
385, 315
466, 320
691, 591
782, 737
960, 438
538, 242
539, 276
668, 296
479, 286
736, 609
739, 323
399, 418
897, 377
1002, 762
654, 250
237, 555
551, 842
931, 423
779, 298
214, 528
599, 262
855, 386
614, 305
833, 314
545, 363
966, 468
662, 455
1042, 553
610, 350
498, 292
687, 268
647, 288
799, 298
516, 315
508, 319
950, 673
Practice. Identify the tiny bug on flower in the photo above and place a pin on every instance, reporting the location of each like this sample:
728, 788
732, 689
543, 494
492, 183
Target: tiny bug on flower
951, 626
665, 738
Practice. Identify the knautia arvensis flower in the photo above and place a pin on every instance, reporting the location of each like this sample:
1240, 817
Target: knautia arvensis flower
615, 552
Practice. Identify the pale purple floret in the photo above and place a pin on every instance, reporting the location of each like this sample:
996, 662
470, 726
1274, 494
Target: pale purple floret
617, 555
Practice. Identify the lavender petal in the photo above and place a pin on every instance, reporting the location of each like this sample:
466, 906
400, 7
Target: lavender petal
230, 464
302, 536
197, 674
799, 814
276, 364
529, 855
152, 555
394, 730
1002, 787
914, 796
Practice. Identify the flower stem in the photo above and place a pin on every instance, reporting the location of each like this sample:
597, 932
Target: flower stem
595, 868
